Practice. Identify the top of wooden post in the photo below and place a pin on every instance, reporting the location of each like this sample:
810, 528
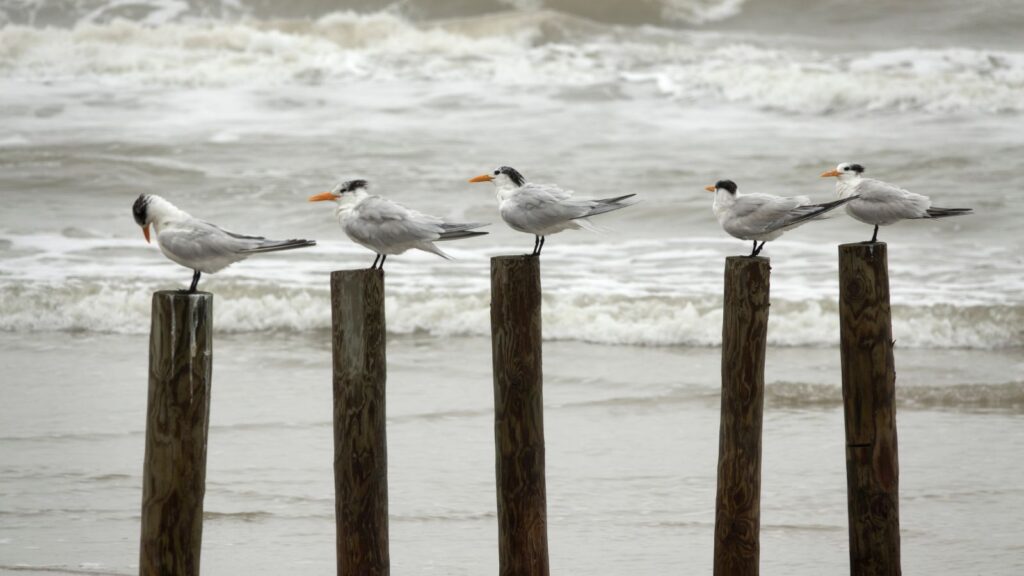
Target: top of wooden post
511, 258
357, 273
529, 264
869, 248
737, 260
182, 294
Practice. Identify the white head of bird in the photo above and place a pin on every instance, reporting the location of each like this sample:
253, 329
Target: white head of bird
846, 172
725, 192
503, 177
152, 209
345, 194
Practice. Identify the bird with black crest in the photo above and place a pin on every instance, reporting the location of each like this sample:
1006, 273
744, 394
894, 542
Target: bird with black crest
763, 217
879, 203
199, 245
545, 209
386, 227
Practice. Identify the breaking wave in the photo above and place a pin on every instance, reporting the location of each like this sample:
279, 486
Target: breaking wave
545, 51
72, 12
591, 316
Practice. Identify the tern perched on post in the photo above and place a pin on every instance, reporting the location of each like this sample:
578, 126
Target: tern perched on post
390, 228
544, 209
881, 203
763, 217
197, 244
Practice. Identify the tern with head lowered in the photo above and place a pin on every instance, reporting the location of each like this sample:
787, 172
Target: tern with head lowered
390, 228
544, 209
880, 203
763, 217
197, 244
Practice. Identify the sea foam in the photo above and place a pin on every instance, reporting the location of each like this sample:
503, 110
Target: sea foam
545, 51
246, 306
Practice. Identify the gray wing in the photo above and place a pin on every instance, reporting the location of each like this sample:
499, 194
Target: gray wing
203, 246
380, 222
259, 244
541, 206
883, 202
764, 212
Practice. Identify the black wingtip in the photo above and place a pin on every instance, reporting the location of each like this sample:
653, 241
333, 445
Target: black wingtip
947, 212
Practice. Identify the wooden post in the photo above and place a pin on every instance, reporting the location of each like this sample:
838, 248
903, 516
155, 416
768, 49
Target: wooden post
744, 339
519, 415
177, 421
360, 447
869, 391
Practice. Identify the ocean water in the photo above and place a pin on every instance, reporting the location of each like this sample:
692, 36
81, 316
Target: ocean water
238, 110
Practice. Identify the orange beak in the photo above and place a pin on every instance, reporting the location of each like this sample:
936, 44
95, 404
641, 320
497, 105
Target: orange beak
145, 232
830, 173
321, 197
482, 178
709, 188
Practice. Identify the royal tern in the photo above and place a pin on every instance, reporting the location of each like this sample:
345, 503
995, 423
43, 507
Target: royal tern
881, 203
389, 228
197, 244
544, 209
763, 217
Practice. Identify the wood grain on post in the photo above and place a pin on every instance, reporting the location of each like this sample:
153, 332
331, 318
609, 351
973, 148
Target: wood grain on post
360, 446
177, 421
744, 339
869, 392
519, 415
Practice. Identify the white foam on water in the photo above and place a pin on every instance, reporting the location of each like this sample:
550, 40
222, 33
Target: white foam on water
517, 49
91, 306
641, 292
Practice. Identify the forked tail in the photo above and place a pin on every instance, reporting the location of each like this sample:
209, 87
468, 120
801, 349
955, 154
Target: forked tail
609, 204
455, 231
278, 245
934, 212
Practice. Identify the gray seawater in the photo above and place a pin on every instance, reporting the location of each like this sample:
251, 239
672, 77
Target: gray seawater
237, 111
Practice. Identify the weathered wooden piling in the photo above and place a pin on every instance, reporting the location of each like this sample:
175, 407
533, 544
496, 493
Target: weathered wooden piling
360, 446
519, 415
869, 392
744, 339
177, 421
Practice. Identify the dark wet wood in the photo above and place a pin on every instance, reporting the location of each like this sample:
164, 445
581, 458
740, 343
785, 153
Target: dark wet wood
360, 443
519, 415
177, 421
744, 339
869, 393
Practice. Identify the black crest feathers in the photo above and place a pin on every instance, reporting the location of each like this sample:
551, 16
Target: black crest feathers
514, 174
728, 185
139, 209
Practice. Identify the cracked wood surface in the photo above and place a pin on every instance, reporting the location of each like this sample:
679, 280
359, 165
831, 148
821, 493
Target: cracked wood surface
744, 339
519, 415
177, 422
869, 391
360, 444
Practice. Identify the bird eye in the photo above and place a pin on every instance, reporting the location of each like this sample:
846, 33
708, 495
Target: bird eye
496, 172
846, 168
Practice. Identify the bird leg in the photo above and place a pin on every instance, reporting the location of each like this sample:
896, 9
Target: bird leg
536, 244
195, 282
874, 237
375, 260
383, 257
753, 251
541, 247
